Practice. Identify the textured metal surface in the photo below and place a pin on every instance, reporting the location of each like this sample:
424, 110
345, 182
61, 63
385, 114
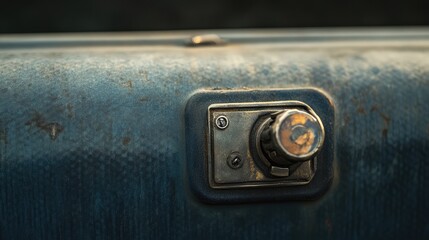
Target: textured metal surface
116, 169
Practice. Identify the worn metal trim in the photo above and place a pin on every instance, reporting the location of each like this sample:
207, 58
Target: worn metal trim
196, 118
253, 184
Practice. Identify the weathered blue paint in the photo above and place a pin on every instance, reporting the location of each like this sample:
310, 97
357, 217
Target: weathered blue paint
114, 168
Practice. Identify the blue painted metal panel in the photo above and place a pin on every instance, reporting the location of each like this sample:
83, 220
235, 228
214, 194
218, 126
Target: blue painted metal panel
92, 139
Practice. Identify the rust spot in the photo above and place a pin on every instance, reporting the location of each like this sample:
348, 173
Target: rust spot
386, 120
52, 128
126, 140
361, 110
358, 104
128, 84
302, 142
254, 171
298, 119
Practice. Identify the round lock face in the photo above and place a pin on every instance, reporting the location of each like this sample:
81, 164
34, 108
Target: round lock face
298, 134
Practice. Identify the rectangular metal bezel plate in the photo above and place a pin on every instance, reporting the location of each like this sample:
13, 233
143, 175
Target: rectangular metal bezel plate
235, 139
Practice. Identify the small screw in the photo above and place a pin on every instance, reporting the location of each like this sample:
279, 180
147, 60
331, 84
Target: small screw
234, 160
221, 122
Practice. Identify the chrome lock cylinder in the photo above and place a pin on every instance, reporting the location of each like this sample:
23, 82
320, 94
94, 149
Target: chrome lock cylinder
287, 138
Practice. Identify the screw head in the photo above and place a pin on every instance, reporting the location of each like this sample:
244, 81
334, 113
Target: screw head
222, 122
235, 160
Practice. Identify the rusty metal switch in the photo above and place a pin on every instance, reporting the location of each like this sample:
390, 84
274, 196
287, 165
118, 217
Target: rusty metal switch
288, 138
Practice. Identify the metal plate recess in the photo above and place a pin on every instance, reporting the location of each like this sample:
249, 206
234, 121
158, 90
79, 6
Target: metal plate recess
232, 145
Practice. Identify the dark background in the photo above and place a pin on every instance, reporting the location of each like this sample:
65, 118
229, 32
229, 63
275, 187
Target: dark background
130, 15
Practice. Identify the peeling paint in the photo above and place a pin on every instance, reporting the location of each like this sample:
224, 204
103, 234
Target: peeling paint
52, 128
